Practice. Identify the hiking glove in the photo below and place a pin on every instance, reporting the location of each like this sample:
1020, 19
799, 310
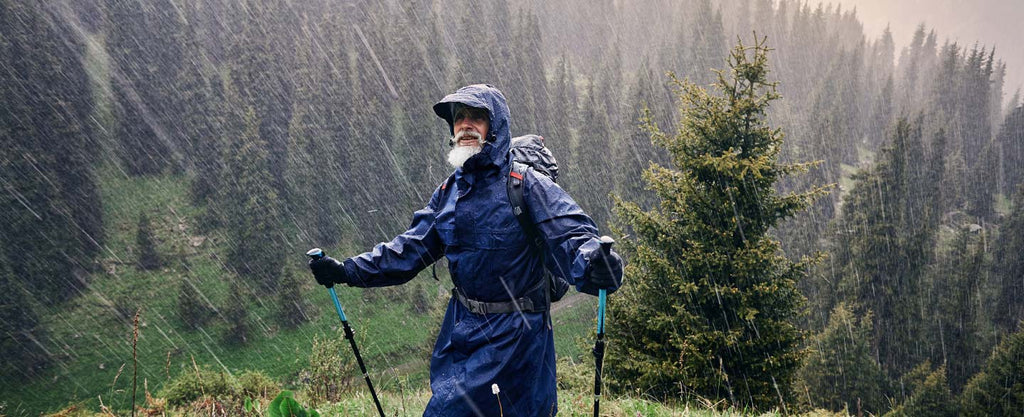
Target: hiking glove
603, 273
328, 271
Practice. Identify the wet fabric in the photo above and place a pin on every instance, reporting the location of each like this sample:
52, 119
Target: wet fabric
470, 222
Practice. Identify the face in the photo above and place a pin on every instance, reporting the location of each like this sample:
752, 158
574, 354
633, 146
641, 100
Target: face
471, 119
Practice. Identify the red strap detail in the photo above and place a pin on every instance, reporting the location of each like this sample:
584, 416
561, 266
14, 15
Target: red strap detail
516, 175
444, 185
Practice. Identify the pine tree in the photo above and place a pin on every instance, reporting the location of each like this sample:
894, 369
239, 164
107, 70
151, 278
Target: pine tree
956, 322
252, 207
930, 395
840, 371
885, 245
145, 242
51, 216
193, 309
1008, 268
710, 303
1011, 152
318, 135
594, 182
199, 109
998, 390
145, 55
292, 308
564, 132
707, 43
21, 335
237, 315
261, 65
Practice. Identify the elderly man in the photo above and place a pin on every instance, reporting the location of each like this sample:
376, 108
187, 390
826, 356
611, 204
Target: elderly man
495, 329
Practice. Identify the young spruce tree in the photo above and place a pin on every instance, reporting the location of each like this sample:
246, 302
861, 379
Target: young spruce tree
709, 304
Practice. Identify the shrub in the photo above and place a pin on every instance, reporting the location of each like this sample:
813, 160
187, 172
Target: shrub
193, 384
256, 384
574, 376
326, 379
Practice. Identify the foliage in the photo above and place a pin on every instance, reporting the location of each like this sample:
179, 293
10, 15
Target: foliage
328, 360
1008, 267
839, 371
888, 230
930, 395
256, 384
574, 376
998, 390
50, 210
958, 280
709, 306
193, 384
286, 406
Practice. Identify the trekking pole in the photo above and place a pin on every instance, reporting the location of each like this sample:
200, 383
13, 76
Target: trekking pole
315, 254
602, 301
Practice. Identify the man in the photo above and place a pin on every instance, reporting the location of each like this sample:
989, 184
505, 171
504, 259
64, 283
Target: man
495, 330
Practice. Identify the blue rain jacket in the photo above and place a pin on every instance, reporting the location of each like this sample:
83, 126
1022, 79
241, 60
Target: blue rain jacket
469, 221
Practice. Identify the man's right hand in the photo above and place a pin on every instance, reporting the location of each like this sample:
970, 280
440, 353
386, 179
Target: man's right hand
328, 271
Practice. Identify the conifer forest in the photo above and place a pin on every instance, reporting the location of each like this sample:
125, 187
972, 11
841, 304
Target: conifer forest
813, 218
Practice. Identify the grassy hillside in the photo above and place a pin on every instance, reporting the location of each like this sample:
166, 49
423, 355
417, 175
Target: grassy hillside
91, 336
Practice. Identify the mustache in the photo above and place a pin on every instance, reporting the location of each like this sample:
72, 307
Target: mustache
464, 133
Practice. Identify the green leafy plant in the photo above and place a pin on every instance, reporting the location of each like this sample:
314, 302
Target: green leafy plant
285, 405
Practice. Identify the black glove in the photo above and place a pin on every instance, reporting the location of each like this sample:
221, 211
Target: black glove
603, 273
328, 271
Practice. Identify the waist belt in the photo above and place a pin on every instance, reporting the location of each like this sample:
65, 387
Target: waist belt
522, 304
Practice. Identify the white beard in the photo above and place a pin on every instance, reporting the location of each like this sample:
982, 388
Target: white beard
459, 154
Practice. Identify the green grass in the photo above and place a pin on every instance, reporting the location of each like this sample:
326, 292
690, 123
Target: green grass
570, 404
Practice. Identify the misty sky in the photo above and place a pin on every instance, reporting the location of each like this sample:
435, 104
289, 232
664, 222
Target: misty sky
998, 23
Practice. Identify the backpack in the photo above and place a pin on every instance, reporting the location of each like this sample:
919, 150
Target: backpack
528, 152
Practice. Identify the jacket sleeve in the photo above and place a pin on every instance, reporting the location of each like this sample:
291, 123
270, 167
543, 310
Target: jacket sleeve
398, 261
570, 234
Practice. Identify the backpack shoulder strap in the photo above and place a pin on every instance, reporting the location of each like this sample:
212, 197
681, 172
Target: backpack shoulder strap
442, 197
515, 186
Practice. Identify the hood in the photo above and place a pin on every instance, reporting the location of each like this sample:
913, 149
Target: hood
482, 96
